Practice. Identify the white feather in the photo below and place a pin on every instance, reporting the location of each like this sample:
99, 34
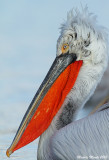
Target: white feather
89, 41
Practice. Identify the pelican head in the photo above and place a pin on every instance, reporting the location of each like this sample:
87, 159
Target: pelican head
82, 36
81, 59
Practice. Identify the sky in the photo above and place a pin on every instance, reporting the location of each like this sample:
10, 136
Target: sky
28, 35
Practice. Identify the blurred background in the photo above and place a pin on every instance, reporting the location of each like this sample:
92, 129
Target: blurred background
28, 35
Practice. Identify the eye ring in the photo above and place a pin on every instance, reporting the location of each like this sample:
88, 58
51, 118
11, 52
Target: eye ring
65, 48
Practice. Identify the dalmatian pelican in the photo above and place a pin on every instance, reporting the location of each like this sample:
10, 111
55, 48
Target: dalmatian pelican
81, 60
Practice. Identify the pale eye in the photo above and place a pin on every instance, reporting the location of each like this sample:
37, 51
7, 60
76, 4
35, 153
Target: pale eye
65, 48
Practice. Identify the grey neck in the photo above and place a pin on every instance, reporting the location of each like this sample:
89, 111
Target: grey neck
84, 87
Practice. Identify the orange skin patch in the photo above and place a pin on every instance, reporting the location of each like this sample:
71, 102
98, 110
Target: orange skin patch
50, 104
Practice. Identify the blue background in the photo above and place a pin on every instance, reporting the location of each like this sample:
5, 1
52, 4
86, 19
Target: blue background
28, 35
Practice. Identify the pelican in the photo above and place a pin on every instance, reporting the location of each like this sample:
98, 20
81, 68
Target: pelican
81, 60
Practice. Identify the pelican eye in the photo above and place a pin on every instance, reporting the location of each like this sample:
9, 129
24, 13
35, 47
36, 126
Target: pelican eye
65, 48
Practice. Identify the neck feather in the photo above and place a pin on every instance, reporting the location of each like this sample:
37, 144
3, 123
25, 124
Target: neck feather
85, 85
